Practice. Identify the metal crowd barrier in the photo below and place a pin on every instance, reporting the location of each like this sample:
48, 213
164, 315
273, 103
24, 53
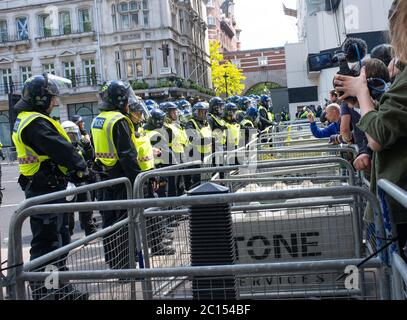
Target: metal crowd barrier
2, 276
399, 266
15, 258
147, 283
181, 243
297, 223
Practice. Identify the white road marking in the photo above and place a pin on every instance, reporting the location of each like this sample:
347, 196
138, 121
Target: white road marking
9, 205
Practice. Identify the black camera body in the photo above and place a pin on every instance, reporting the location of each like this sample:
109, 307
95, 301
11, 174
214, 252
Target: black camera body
353, 50
341, 59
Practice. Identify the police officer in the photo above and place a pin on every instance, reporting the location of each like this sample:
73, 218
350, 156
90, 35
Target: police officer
144, 148
183, 105
78, 120
243, 104
249, 124
266, 115
47, 159
216, 105
284, 115
146, 152
200, 136
151, 104
116, 154
177, 141
86, 150
232, 126
154, 131
216, 123
232, 129
158, 226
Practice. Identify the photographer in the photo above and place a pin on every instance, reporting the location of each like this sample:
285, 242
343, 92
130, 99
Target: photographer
385, 126
350, 115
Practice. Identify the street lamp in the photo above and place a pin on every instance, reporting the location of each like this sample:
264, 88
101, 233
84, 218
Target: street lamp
225, 76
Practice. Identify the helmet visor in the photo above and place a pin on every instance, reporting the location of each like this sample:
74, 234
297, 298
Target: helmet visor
137, 105
56, 85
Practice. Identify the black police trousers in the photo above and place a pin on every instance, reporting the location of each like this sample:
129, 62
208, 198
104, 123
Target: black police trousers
49, 231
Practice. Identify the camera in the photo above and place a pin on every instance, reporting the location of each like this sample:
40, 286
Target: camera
353, 50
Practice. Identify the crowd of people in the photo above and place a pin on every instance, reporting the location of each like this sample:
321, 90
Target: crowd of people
131, 136
370, 110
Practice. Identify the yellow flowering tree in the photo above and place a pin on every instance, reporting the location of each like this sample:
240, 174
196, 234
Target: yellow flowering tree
220, 68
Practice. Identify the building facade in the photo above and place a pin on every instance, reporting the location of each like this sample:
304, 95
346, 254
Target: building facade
264, 66
154, 43
222, 24
323, 26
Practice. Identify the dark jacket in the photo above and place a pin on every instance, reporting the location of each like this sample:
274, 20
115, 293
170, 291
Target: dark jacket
44, 139
127, 166
263, 119
388, 126
161, 142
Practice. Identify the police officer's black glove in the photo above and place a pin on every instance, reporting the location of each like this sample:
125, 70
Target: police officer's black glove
2, 155
85, 142
79, 176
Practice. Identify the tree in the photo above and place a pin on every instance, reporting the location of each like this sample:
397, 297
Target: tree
220, 68
262, 88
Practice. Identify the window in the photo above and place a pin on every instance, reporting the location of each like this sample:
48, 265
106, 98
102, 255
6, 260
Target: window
176, 58
150, 61
185, 65
134, 63
125, 21
145, 18
3, 31
209, 3
145, 5
118, 66
65, 26
7, 80
174, 20
44, 24
25, 73
5, 137
124, 7
48, 68
114, 18
90, 72
69, 71
85, 24
181, 21
22, 28
129, 15
87, 111
134, 6
211, 21
134, 20
166, 52
263, 61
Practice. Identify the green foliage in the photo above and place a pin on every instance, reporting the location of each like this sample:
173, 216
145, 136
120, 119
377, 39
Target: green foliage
139, 85
262, 88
